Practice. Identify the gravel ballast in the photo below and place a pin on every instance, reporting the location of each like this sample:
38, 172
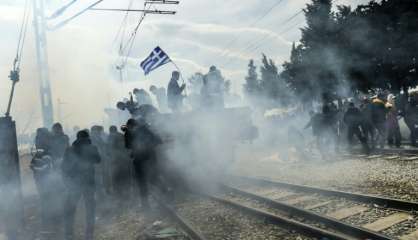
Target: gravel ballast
219, 222
395, 179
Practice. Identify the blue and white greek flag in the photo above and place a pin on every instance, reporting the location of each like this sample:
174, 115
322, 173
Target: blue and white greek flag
156, 59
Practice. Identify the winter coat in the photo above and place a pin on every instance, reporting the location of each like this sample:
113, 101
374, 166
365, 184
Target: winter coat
79, 161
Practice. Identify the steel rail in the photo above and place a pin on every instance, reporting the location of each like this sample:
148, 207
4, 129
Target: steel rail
283, 222
411, 152
338, 226
186, 226
383, 202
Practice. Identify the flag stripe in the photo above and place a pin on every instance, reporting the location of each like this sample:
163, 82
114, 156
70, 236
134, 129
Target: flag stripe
156, 59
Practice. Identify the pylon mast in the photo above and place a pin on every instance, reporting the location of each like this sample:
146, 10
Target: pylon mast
42, 60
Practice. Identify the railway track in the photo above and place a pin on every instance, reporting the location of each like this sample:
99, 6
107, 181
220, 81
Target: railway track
212, 217
385, 154
186, 226
348, 215
217, 218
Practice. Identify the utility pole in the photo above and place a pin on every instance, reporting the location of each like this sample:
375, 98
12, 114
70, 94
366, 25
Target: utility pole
40, 24
42, 60
59, 110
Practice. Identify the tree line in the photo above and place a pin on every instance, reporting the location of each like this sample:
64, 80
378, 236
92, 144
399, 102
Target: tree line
343, 53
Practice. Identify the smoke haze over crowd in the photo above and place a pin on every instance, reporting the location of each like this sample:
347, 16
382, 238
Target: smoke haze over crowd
83, 54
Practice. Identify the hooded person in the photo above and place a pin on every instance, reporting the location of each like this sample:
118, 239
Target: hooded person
59, 143
43, 139
78, 170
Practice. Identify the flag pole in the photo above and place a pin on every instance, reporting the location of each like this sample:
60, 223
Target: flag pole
178, 69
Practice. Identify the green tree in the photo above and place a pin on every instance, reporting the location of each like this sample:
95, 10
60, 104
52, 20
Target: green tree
272, 86
314, 65
252, 83
295, 74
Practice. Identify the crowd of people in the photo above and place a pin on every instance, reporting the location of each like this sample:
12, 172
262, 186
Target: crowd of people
373, 122
107, 168
117, 167
211, 93
96, 167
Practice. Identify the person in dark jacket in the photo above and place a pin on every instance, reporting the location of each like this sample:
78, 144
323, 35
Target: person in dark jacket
41, 165
78, 170
394, 135
314, 123
59, 143
103, 179
174, 93
378, 116
213, 89
120, 164
327, 136
353, 119
143, 143
411, 120
367, 124
43, 139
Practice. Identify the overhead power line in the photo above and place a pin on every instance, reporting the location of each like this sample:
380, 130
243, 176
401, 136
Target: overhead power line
122, 29
14, 74
130, 43
229, 44
63, 23
255, 45
161, 2
292, 17
125, 49
22, 36
61, 10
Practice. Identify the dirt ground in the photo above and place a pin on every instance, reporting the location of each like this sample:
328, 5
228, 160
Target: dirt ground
113, 222
395, 178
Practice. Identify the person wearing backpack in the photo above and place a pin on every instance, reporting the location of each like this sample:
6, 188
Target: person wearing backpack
42, 167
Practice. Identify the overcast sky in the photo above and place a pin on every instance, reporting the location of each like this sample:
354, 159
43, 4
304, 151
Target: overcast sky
83, 54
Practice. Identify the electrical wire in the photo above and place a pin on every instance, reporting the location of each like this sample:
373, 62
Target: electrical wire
122, 28
22, 37
253, 45
61, 10
229, 44
281, 33
258, 43
130, 43
66, 21
290, 28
